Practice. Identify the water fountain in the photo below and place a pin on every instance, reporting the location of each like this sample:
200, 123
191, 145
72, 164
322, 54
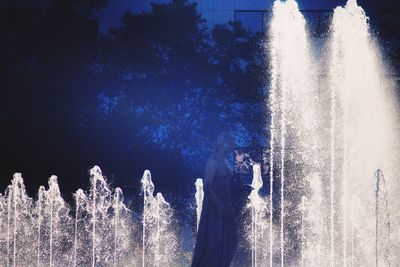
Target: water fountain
383, 235
364, 131
334, 122
159, 238
53, 226
17, 235
293, 125
328, 140
46, 233
258, 230
199, 199
99, 231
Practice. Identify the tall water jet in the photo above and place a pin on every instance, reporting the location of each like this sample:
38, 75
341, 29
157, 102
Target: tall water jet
383, 235
293, 125
303, 209
313, 229
363, 134
379, 176
199, 195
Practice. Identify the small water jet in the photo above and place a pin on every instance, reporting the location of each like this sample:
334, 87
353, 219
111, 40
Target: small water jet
257, 233
159, 239
199, 195
80, 206
53, 226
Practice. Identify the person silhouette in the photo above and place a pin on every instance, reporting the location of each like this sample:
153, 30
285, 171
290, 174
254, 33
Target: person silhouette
217, 234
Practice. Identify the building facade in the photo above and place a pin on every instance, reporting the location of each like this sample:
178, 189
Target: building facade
253, 14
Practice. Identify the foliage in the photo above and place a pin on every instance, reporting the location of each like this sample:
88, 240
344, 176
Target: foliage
161, 85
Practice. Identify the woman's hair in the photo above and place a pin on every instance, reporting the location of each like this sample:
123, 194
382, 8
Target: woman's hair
224, 137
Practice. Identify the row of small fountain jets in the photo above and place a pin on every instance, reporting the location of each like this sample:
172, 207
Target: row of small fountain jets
101, 229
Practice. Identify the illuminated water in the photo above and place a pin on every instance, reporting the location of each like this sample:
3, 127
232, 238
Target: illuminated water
258, 225
334, 162
159, 240
294, 145
98, 231
334, 123
199, 200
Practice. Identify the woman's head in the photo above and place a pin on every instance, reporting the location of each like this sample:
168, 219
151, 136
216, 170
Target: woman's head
225, 143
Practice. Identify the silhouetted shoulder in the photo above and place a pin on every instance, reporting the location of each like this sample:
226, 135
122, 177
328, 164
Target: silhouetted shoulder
212, 162
210, 170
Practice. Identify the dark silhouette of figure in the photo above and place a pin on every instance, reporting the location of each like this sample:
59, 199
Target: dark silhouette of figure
217, 235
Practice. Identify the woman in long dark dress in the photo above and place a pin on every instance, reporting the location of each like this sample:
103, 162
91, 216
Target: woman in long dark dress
217, 236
